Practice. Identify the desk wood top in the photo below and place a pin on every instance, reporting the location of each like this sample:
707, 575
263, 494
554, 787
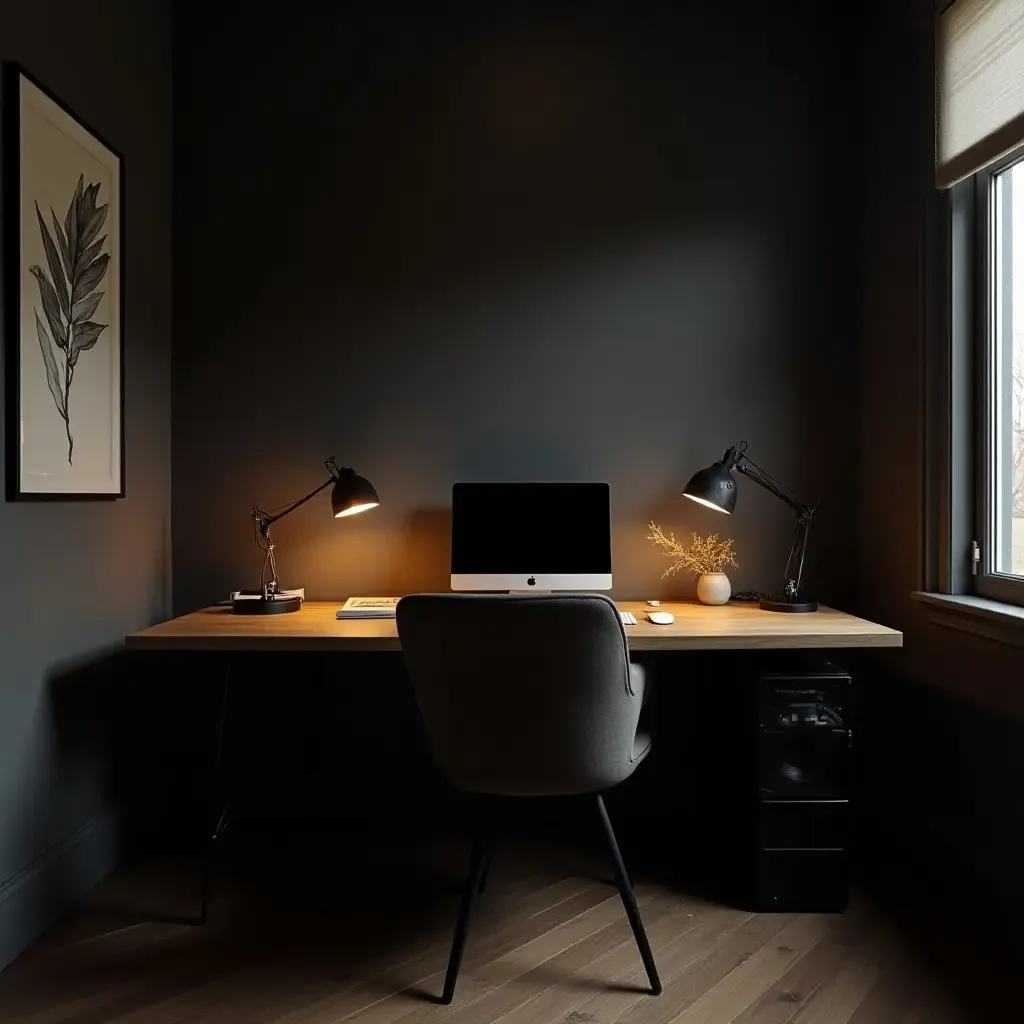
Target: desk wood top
697, 627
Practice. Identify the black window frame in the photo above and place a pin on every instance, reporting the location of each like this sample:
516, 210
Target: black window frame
971, 389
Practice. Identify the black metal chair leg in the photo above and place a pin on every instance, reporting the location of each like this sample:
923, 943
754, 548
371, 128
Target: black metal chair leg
482, 847
218, 811
629, 900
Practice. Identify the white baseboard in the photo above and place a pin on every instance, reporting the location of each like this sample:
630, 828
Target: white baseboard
33, 898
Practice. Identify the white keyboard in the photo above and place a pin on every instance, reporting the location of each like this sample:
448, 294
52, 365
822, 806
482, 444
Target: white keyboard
628, 618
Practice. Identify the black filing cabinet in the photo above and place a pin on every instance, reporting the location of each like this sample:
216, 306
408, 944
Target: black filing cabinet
803, 780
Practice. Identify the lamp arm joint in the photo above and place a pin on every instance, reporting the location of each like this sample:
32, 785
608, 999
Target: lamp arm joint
759, 476
266, 521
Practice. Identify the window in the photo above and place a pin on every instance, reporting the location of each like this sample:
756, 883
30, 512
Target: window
1000, 239
979, 158
1006, 359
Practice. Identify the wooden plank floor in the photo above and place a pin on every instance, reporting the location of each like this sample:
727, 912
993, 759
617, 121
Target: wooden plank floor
369, 942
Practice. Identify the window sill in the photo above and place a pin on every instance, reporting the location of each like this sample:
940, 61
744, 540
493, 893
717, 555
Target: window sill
993, 620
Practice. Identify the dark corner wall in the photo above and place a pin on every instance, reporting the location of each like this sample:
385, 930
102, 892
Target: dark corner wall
529, 245
78, 576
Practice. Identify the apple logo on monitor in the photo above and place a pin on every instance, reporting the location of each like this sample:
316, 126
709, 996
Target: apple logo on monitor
532, 581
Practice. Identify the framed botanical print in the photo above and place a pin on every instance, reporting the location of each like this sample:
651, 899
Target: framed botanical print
63, 299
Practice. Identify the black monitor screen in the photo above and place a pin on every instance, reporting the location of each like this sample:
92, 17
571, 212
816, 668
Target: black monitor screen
531, 528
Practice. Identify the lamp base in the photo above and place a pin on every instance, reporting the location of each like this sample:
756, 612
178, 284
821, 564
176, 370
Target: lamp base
782, 605
257, 604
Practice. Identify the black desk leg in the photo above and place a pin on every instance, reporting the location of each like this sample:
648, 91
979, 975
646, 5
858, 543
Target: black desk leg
217, 821
488, 857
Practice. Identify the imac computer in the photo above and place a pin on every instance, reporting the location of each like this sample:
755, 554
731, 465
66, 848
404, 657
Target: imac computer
531, 537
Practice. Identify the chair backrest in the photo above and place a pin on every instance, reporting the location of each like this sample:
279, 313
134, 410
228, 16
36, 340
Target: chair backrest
520, 694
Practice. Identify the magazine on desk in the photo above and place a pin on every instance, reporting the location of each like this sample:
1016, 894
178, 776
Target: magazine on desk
368, 608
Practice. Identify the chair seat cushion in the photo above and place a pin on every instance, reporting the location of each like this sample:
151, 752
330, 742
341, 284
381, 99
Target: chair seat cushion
637, 679
641, 746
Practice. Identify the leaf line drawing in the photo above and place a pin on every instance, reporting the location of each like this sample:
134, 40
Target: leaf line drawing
77, 265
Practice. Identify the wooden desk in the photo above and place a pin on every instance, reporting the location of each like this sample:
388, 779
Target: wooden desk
696, 628
314, 628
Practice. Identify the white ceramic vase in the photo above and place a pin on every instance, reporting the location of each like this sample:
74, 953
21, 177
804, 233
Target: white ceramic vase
714, 588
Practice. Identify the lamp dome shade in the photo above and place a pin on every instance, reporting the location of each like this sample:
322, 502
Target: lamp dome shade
713, 486
352, 494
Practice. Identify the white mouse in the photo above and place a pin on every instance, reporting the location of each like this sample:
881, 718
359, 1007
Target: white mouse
661, 618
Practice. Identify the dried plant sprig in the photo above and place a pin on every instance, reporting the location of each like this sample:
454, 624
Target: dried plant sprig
702, 555
670, 548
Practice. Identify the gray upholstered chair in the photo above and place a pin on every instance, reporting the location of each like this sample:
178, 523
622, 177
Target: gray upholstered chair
526, 696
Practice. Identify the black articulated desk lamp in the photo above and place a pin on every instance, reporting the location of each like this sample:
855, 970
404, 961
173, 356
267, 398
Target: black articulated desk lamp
716, 488
352, 494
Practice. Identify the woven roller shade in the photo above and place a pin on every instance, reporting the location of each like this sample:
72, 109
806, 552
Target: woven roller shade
979, 87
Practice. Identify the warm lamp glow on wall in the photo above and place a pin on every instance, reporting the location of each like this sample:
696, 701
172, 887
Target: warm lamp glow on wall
714, 487
351, 494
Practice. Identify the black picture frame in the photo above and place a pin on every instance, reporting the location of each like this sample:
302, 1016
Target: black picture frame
12, 75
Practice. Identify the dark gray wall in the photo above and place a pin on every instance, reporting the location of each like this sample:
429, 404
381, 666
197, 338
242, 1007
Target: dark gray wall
78, 576
526, 246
